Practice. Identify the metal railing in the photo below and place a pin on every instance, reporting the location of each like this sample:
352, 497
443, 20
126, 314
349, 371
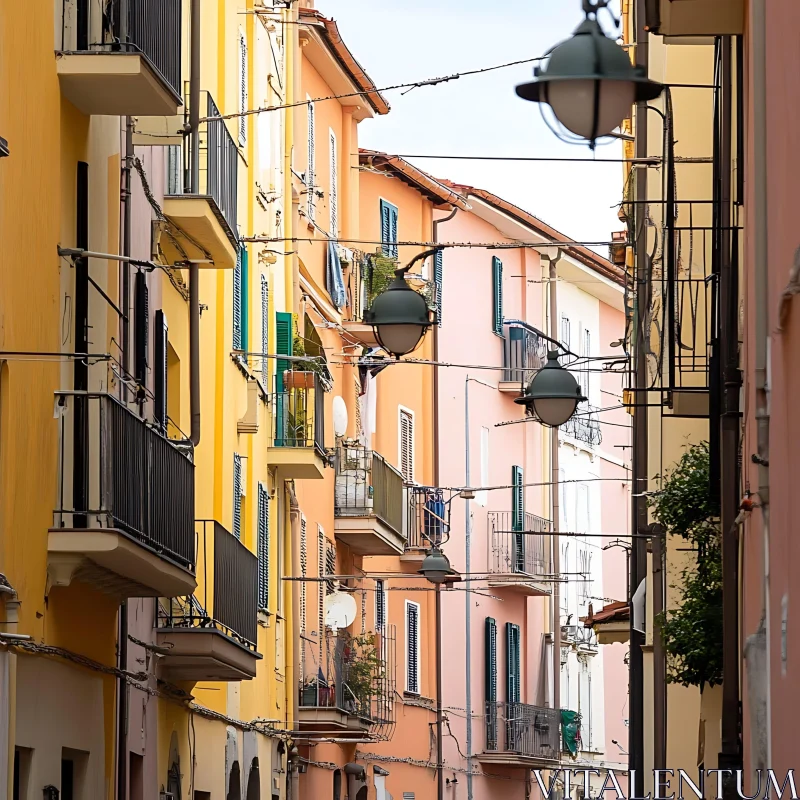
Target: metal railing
149, 27
427, 516
116, 471
232, 588
219, 164
366, 484
298, 411
584, 426
354, 674
521, 549
524, 351
523, 730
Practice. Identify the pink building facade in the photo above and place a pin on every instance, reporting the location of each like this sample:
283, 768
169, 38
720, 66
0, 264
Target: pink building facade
497, 622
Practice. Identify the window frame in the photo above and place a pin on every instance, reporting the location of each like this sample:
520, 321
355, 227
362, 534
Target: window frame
418, 641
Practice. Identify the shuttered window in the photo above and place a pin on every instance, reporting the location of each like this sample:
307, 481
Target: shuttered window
160, 359
490, 660
389, 229
407, 445
263, 547
333, 197
321, 590
412, 648
238, 339
142, 327
438, 276
237, 495
242, 87
330, 566
264, 329
497, 295
587, 351
513, 663
303, 574
311, 168
518, 518
380, 605
283, 345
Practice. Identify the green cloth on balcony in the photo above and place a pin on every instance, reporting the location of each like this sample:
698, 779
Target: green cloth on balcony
570, 731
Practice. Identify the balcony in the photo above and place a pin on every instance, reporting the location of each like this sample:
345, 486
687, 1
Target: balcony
368, 503
427, 520
519, 735
519, 553
108, 64
584, 426
524, 352
211, 635
347, 684
125, 516
695, 18
206, 222
297, 445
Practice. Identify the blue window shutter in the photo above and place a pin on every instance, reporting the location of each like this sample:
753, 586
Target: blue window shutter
237, 495
389, 229
497, 295
237, 301
438, 275
263, 547
513, 663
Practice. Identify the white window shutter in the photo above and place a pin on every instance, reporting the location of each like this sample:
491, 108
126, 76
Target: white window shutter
263, 547
303, 573
311, 168
333, 197
264, 330
407, 445
242, 87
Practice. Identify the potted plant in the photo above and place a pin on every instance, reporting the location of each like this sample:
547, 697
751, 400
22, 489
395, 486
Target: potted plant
364, 669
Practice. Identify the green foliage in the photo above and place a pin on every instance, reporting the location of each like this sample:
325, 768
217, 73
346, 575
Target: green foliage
692, 633
379, 274
364, 668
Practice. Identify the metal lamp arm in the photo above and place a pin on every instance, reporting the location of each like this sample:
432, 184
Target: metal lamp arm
401, 271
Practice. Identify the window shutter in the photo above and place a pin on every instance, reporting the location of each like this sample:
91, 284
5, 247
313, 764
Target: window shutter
438, 276
237, 495
245, 298
389, 229
142, 327
513, 663
380, 605
242, 87
412, 648
303, 573
333, 198
174, 169
407, 445
237, 300
518, 518
310, 170
263, 547
497, 295
587, 351
160, 357
264, 330
330, 566
321, 591
490, 663
283, 345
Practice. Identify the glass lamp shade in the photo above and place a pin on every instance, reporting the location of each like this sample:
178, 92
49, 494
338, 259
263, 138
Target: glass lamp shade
436, 566
555, 411
399, 339
573, 103
553, 393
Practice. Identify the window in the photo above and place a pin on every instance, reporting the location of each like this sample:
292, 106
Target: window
380, 605
438, 277
264, 330
310, 169
242, 87
482, 497
174, 169
517, 499
263, 547
303, 574
497, 295
330, 566
160, 349
389, 229
283, 347
587, 352
321, 592
237, 495
565, 331
333, 197
240, 283
406, 444
513, 663
490, 682
412, 648
141, 327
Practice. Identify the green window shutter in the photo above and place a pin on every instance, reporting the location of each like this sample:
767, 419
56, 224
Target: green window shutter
438, 274
491, 660
283, 345
518, 519
389, 229
513, 670
263, 547
497, 295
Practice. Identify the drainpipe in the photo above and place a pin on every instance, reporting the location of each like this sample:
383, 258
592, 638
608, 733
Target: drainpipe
194, 188
467, 594
293, 650
760, 278
8, 690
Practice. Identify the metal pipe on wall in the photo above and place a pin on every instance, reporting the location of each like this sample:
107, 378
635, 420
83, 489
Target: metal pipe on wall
467, 594
194, 188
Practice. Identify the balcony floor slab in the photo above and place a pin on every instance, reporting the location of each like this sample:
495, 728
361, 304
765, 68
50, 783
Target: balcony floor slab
522, 584
368, 535
205, 654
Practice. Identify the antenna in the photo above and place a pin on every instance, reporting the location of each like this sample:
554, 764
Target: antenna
339, 417
340, 610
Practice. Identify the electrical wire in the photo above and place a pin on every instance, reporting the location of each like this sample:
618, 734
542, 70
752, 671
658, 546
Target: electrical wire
442, 245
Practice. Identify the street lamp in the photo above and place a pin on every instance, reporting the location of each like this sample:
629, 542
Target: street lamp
553, 393
400, 316
589, 80
436, 566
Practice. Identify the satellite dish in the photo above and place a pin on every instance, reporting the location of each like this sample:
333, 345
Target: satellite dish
340, 610
339, 416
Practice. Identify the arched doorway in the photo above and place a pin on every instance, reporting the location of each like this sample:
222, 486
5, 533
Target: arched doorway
174, 771
235, 783
253, 782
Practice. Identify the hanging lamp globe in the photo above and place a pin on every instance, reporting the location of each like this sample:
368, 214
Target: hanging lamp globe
553, 394
436, 566
399, 316
589, 82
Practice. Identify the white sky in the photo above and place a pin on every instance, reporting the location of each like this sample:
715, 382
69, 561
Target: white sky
399, 42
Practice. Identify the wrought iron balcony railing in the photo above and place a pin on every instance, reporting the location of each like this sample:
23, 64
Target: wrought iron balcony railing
519, 546
522, 730
227, 599
584, 426
298, 411
116, 471
219, 164
427, 516
524, 351
366, 484
149, 27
